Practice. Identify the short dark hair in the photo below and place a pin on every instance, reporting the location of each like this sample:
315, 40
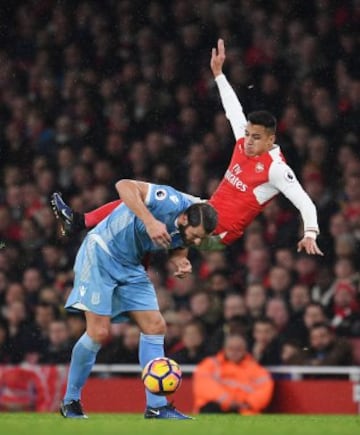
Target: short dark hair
202, 214
264, 118
49, 306
224, 273
317, 305
265, 321
236, 335
321, 325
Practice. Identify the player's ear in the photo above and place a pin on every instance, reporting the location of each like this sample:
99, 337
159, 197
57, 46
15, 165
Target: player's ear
272, 138
183, 219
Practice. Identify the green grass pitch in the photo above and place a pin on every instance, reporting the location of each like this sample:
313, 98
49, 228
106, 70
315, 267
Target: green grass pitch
128, 424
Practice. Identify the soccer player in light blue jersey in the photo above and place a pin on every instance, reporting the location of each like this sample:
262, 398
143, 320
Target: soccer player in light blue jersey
111, 284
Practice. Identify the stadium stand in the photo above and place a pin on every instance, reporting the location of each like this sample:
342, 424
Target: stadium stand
91, 92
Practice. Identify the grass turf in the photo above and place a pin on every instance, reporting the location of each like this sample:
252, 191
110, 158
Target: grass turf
104, 424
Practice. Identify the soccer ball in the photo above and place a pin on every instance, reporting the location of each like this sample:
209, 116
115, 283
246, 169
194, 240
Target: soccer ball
162, 376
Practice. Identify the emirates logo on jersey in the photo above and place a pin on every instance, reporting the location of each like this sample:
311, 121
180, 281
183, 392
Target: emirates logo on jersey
236, 169
234, 180
259, 167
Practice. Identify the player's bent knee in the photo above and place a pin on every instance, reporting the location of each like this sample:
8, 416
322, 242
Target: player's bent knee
99, 334
97, 327
155, 326
150, 322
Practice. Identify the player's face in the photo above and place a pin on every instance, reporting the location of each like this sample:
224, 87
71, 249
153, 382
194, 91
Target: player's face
258, 139
192, 235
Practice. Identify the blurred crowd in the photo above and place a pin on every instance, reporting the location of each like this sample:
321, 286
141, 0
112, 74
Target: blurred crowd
92, 92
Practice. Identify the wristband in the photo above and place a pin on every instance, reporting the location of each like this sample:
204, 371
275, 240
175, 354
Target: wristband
311, 234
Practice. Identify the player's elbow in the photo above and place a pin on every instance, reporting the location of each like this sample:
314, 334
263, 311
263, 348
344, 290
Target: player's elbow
122, 186
122, 183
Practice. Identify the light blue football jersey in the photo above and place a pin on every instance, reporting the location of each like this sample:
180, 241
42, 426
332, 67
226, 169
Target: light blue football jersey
123, 236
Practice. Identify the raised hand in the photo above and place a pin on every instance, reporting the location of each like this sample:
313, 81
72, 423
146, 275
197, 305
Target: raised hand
310, 246
183, 267
218, 58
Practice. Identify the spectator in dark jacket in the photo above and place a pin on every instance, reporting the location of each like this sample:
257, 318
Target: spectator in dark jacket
4, 342
194, 340
266, 344
59, 348
326, 349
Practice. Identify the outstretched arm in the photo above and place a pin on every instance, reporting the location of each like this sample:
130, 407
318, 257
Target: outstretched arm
283, 178
134, 193
230, 102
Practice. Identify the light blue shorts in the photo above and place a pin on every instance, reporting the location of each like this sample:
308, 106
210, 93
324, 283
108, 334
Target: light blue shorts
104, 286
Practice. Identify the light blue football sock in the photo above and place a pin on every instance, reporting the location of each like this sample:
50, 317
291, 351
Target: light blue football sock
151, 346
82, 360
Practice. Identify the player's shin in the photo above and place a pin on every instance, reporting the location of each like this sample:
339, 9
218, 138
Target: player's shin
151, 346
82, 360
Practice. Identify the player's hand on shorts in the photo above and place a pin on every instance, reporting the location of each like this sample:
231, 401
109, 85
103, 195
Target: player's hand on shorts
183, 268
310, 246
218, 58
158, 233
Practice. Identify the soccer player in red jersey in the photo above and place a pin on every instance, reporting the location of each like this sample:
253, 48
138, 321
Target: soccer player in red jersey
257, 173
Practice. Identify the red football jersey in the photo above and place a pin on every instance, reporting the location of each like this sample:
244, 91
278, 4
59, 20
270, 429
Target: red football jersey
250, 182
244, 191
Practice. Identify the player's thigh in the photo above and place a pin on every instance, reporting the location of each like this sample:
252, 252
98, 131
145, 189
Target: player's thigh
137, 299
150, 322
94, 282
135, 293
94, 295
